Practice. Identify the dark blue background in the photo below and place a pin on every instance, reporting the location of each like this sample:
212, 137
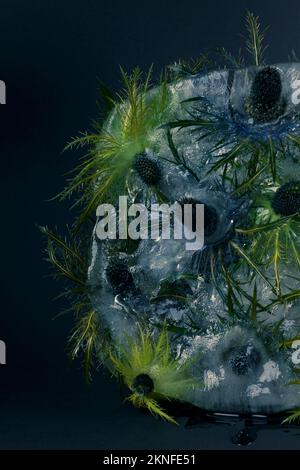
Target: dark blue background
52, 54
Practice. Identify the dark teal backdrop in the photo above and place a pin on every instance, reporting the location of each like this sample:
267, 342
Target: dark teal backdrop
52, 54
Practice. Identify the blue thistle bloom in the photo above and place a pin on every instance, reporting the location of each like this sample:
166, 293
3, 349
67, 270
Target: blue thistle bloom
222, 212
286, 200
259, 107
262, 109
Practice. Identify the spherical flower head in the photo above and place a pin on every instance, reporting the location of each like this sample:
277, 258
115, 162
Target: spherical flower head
264, 103
245, 360
143, 384
210, 216
286, 200
147, 169
118, 275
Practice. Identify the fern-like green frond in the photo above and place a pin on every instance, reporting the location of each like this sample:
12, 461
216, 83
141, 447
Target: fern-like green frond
294, 417
64, 255
152, 405
85, 339
186, 68
273, 244
69, 262
255, 38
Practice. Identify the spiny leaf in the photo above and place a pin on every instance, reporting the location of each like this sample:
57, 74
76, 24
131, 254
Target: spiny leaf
253, 315
294, 416
229, 157
276, 259
249, 183
264, 227
152, 405
179, 160
272, 159
254, 43
230, 60
295, 139
113, 147
295, 250
293, 295
252, 265
184, 68
65, 257
287, 343
230, 305
68, 261
84, 337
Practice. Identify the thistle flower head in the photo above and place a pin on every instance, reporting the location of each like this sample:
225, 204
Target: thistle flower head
126, 133
147, 169
150, 372
286, 200
210, 216
245, 360
264, 103
143, 384
118, 275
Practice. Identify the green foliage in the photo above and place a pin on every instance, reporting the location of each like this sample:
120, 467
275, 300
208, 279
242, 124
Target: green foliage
229, 60
147, 356
275, 243
112, 148
186, 68
173, 287
255, 38
287, 343
246, 164
68, 261
179, 159
84, 340
294, 417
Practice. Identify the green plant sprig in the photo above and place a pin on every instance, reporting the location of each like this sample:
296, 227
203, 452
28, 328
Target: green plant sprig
144, 355
112, 148
294, 417
69, 262
84, 339
254, 41
275, 243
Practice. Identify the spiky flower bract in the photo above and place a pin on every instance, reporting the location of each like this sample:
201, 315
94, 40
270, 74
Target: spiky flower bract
293, 417
274, 236
84, 340
113, 147
154, 360
68, 260
223, 211
187, 68
251, 156
210, 216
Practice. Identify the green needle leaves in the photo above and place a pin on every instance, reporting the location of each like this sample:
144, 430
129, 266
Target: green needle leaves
254, 41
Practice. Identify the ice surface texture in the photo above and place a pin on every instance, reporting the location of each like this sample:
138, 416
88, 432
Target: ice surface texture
233, 307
